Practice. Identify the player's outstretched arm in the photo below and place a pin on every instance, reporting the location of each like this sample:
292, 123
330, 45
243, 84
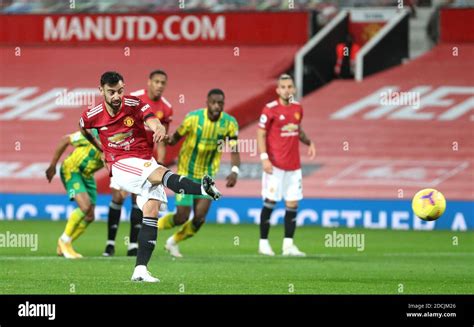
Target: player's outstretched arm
235, 163
158, 129
305, 140
62, 146
161, 148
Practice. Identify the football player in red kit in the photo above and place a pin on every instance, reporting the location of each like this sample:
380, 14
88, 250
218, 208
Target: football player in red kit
121, 121
278, 140
153, 95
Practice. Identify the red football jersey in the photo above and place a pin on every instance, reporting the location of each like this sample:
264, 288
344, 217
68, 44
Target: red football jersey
162, 109
282, 124
124, 135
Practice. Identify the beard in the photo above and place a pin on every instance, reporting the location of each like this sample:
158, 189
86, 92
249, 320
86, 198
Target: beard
115, 104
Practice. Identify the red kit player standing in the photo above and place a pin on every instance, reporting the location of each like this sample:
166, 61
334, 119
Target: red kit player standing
278, 140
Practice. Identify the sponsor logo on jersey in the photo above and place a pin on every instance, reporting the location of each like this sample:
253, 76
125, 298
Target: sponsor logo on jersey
289, 127
119, 137
282, 117
128, 121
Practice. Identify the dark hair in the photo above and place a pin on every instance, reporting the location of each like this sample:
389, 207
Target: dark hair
215, 91
110, 78
285, 77
158, 72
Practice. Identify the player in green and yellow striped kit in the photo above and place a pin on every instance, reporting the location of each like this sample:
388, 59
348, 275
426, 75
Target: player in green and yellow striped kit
207, 132
77, 172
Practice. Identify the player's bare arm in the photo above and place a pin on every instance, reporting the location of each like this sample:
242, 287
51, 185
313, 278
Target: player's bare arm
305, 140
62, 146
262, 148
235, 164
161, 147
159, 130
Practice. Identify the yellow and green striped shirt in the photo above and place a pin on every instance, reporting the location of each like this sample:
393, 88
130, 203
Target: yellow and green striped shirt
201, 151
85, 158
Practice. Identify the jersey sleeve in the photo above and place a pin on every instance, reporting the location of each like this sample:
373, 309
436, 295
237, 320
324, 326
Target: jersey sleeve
185, 126
144, 111
86, 122
265, 119
233, 129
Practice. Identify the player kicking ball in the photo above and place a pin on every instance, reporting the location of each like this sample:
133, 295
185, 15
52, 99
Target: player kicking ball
77, 174
278, 139
120, 121
205, 130
153, 95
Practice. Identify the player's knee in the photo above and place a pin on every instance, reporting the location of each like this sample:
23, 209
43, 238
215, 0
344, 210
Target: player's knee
90, 216
156, 177
151, 208
292, 204
269, 203
117, 197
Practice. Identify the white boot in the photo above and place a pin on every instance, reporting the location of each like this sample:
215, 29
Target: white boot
141, 274
291, 250
172, 247
265, 248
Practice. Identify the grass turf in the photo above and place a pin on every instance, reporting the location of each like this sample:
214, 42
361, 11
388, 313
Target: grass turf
222, 259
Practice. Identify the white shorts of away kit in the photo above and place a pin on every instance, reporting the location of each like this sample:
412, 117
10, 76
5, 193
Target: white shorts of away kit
130, 174
282, 184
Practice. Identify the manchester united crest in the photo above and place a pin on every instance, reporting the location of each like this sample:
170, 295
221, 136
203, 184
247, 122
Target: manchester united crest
297, 115
128, 121
159, 114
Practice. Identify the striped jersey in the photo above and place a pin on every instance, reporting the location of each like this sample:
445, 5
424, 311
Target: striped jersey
202, 149
85, 158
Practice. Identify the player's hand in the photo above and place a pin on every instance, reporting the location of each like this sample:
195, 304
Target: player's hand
50, 172
311, 151
267, 166
160, 134
231, 179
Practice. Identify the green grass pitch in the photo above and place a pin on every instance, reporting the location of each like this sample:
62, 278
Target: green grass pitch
222, 259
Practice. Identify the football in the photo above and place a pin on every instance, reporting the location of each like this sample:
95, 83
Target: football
428, 204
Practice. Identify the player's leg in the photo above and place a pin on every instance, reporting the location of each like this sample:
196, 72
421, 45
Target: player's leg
183, 211
146, 238
136, 217
183, 204
74, 185
182, 184
113, 218
191, 227
292, 183
76, 217
271, 193
90, 215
